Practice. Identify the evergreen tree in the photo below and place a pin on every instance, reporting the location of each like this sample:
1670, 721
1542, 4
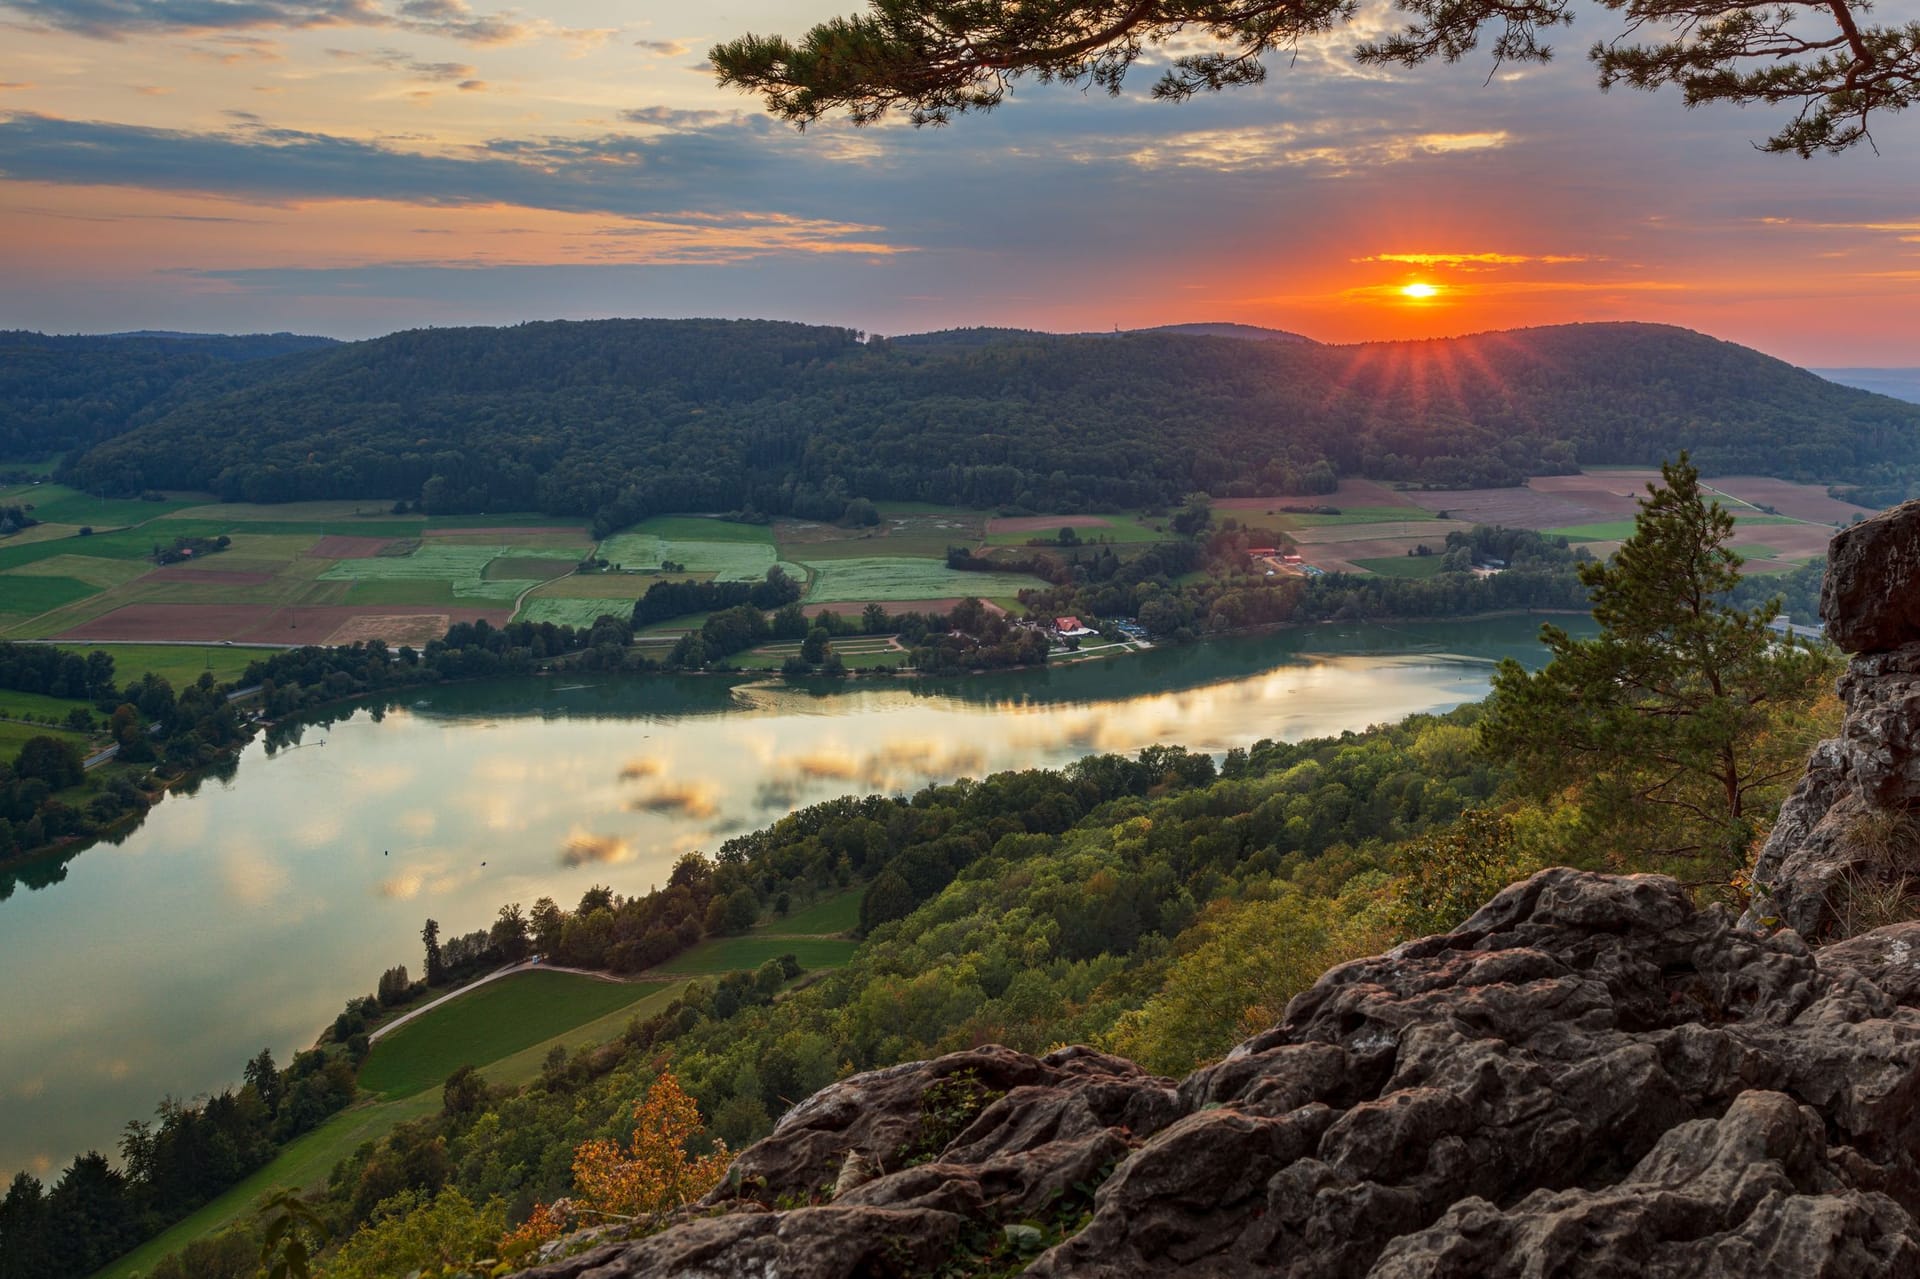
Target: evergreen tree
1675, 724
436, 966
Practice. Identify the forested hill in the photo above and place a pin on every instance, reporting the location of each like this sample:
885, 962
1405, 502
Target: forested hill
61, 393
621, 419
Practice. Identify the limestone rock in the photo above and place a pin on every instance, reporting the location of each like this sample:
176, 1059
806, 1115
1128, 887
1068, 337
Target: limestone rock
1853, 819
1590, 1077
1869, 601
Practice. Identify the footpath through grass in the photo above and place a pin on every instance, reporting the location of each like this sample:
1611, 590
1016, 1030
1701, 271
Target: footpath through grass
494, 1021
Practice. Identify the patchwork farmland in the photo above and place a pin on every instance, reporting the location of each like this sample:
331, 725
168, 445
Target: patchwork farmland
334, 572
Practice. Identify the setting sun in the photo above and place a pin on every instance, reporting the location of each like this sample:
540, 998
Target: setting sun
1419, 290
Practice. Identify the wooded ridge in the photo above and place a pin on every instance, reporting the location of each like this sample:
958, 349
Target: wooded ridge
620, 419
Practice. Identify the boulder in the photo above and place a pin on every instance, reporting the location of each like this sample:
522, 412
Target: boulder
1869, 600
1589, 1077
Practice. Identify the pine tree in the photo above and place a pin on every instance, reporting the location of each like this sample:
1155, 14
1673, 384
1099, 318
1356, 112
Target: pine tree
1677, 724
436, 966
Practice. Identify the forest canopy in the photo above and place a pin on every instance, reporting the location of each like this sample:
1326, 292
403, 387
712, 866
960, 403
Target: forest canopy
619, 420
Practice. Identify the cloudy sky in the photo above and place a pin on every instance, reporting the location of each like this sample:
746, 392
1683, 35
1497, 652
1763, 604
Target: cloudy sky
356, 166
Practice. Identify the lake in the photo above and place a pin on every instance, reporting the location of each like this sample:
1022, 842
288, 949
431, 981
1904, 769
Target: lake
245, 914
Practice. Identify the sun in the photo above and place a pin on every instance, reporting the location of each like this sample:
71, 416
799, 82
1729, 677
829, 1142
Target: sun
1419, 290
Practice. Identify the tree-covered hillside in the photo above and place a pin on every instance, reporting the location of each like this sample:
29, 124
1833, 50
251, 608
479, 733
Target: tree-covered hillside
622, 419
60, 393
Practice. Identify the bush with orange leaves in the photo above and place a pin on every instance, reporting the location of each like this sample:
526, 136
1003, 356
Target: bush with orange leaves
651, 1173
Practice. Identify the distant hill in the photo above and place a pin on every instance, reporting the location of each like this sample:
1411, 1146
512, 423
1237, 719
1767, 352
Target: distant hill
1901, 384
622, 418
63, 393
1248, 332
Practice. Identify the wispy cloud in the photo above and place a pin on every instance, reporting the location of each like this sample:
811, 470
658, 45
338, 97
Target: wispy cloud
406, 64
665, 48
122, 19
1476, 261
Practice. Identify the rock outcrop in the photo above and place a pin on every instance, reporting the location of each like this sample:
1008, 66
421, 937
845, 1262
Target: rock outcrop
1847, 842
1589, 1077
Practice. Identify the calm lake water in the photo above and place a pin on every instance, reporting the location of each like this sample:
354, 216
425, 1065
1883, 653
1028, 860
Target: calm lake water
245, 914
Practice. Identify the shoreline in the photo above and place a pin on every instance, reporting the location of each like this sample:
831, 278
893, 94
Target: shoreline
131, 821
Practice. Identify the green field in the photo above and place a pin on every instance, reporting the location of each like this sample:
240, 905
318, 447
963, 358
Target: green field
1404, 565
21, 593
495, 1021
572, 612
696, 528
91, 569
178, 664
521, 568
837, 914
1620, 530
15, 735
1350, 515
1755, 551
465, 567
886, 578
15, 704
58, 504
743, 554
303, 1164
729, 954
1122, 529
424, 591
306, 1161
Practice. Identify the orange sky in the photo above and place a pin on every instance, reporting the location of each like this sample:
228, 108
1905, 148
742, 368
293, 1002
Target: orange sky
354, 166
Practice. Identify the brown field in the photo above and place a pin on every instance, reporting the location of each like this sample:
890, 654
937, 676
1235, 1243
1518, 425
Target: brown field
1350, 493
1513, 507
1428, 531
1045, 523
256, 623
210, 576
1792, 541
394, 629
1373, 548
1611, 495
1801, 501
338, 547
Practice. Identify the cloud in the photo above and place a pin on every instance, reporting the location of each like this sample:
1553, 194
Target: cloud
1474, 261
665, 48
7, 86
677, 118
584, 848
644, 767
402, 887
680, 799
407, 64
119, 19
1363, 147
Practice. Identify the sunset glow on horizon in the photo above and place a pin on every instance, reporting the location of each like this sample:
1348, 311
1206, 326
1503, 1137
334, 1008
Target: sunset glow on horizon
350, 170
